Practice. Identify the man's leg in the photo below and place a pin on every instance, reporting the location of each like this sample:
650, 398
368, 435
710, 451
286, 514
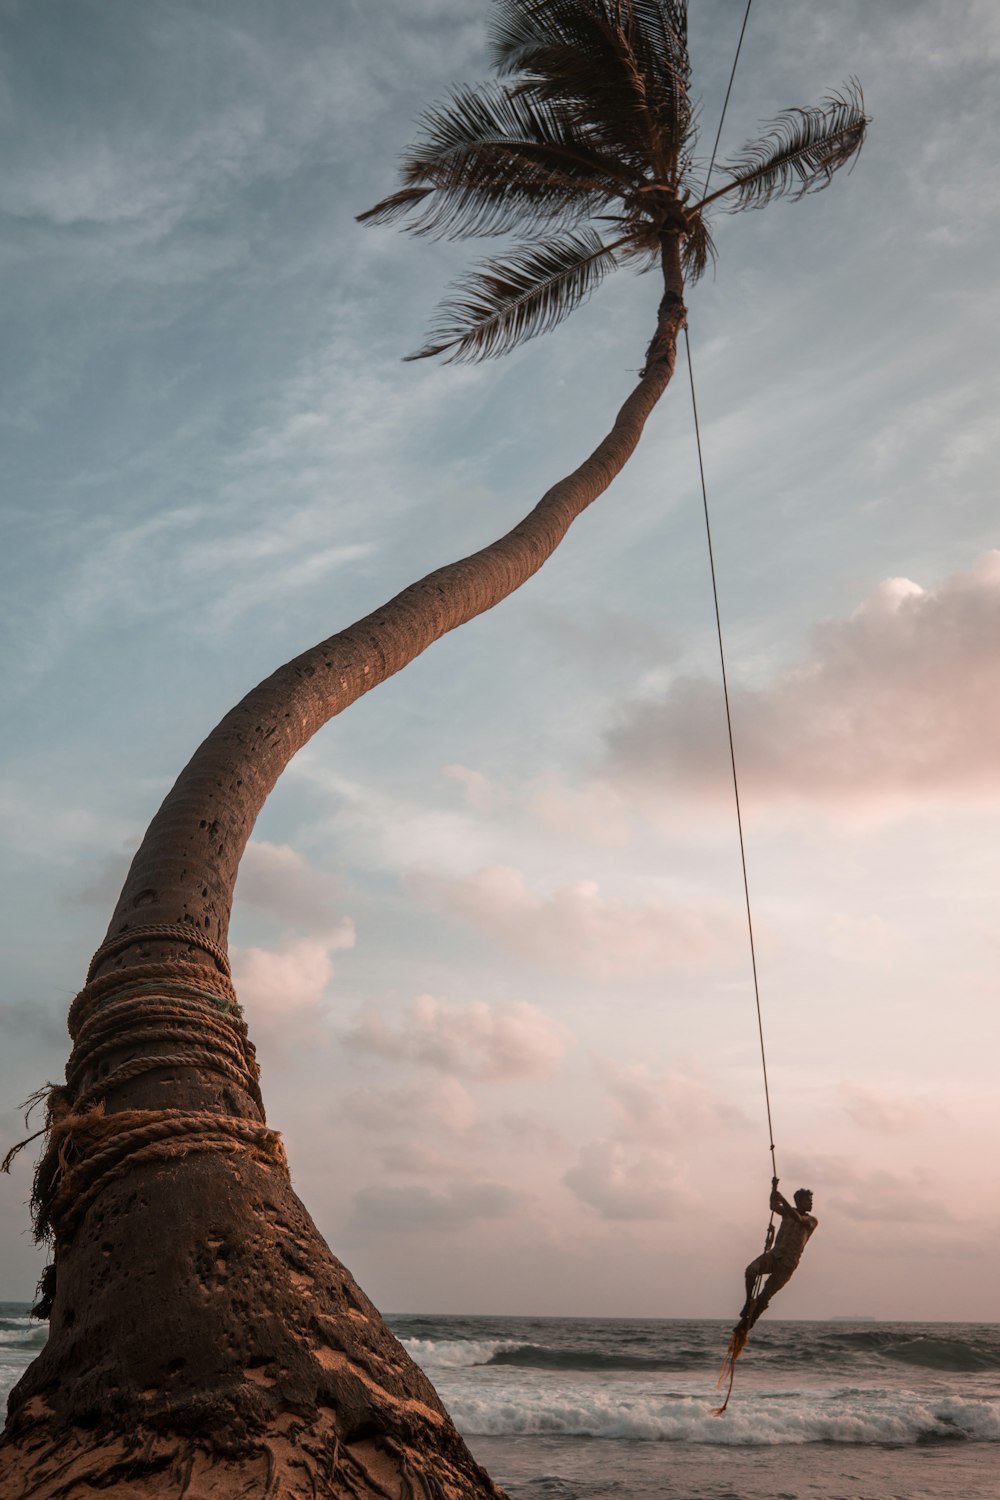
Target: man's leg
777, 1279
762, 1266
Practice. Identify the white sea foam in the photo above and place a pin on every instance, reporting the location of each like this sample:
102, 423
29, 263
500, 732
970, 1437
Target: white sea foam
863, 1417
11, 1370
31, 1334
453, 1354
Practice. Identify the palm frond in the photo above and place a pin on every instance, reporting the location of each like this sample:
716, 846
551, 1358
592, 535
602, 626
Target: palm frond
509, 299
490, 159
591, 120
394, 207
665, 20
663, 26
698, 249
615, 64
800, 152
518, 26
656, 61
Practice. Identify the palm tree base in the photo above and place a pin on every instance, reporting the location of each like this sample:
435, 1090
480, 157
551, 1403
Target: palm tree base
204, 1342
153, 1466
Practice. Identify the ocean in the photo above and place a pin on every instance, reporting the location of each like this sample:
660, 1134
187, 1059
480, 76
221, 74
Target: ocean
595, 1408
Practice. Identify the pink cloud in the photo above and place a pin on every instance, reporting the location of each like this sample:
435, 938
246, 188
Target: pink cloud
886, 1113
402, 1210
594, 812
664, 1105
620, 1183
577, 928
283, 990
886, 1197
279, 883
444, 1103
515, 1040
898, 701
847, 1189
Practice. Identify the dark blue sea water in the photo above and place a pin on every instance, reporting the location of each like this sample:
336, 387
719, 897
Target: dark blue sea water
590, 1409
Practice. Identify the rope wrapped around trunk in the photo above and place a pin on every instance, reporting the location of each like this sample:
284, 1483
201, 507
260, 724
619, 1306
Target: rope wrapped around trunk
87, 1151
160, 932
149, 1017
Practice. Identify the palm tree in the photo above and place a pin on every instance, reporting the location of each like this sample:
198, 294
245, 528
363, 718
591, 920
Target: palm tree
201, 1331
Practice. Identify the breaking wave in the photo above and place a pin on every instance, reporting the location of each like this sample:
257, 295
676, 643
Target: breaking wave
454, 1354
538, 1357
854, 1418
832, 1353
939, 1354
22, 1333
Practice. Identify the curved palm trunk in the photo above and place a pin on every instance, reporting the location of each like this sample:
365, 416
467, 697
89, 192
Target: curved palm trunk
203, 1339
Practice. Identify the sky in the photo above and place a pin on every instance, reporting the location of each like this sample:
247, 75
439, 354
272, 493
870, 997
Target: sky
490, 932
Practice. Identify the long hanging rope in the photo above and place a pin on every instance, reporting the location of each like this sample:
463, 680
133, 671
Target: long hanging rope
732, 757
718, 626
725, 102
740, 1334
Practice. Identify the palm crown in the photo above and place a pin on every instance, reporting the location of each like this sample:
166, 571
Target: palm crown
589, 123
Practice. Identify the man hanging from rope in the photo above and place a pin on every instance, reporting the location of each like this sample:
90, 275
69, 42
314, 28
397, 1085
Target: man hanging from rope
779, 1262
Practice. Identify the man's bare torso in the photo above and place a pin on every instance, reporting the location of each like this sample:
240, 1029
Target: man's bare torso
791, 1238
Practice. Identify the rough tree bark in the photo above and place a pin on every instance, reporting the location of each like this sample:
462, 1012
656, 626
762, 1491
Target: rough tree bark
203, 1339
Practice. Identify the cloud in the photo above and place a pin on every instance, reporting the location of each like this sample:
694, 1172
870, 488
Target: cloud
864, 938
532, 1131
513, 1040
577, 928
445, 1103
594, 812
389, 1209
883, 1113
29, 823
619, 1183
416, 1159
278, 882
600, 639
104, 878
897, 701
283, 990
663, 1105
885, 1197
876, 1197
37, 1020
476, 786
163, 149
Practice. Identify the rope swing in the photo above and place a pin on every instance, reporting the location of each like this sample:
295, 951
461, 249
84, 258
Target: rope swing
741, 1332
